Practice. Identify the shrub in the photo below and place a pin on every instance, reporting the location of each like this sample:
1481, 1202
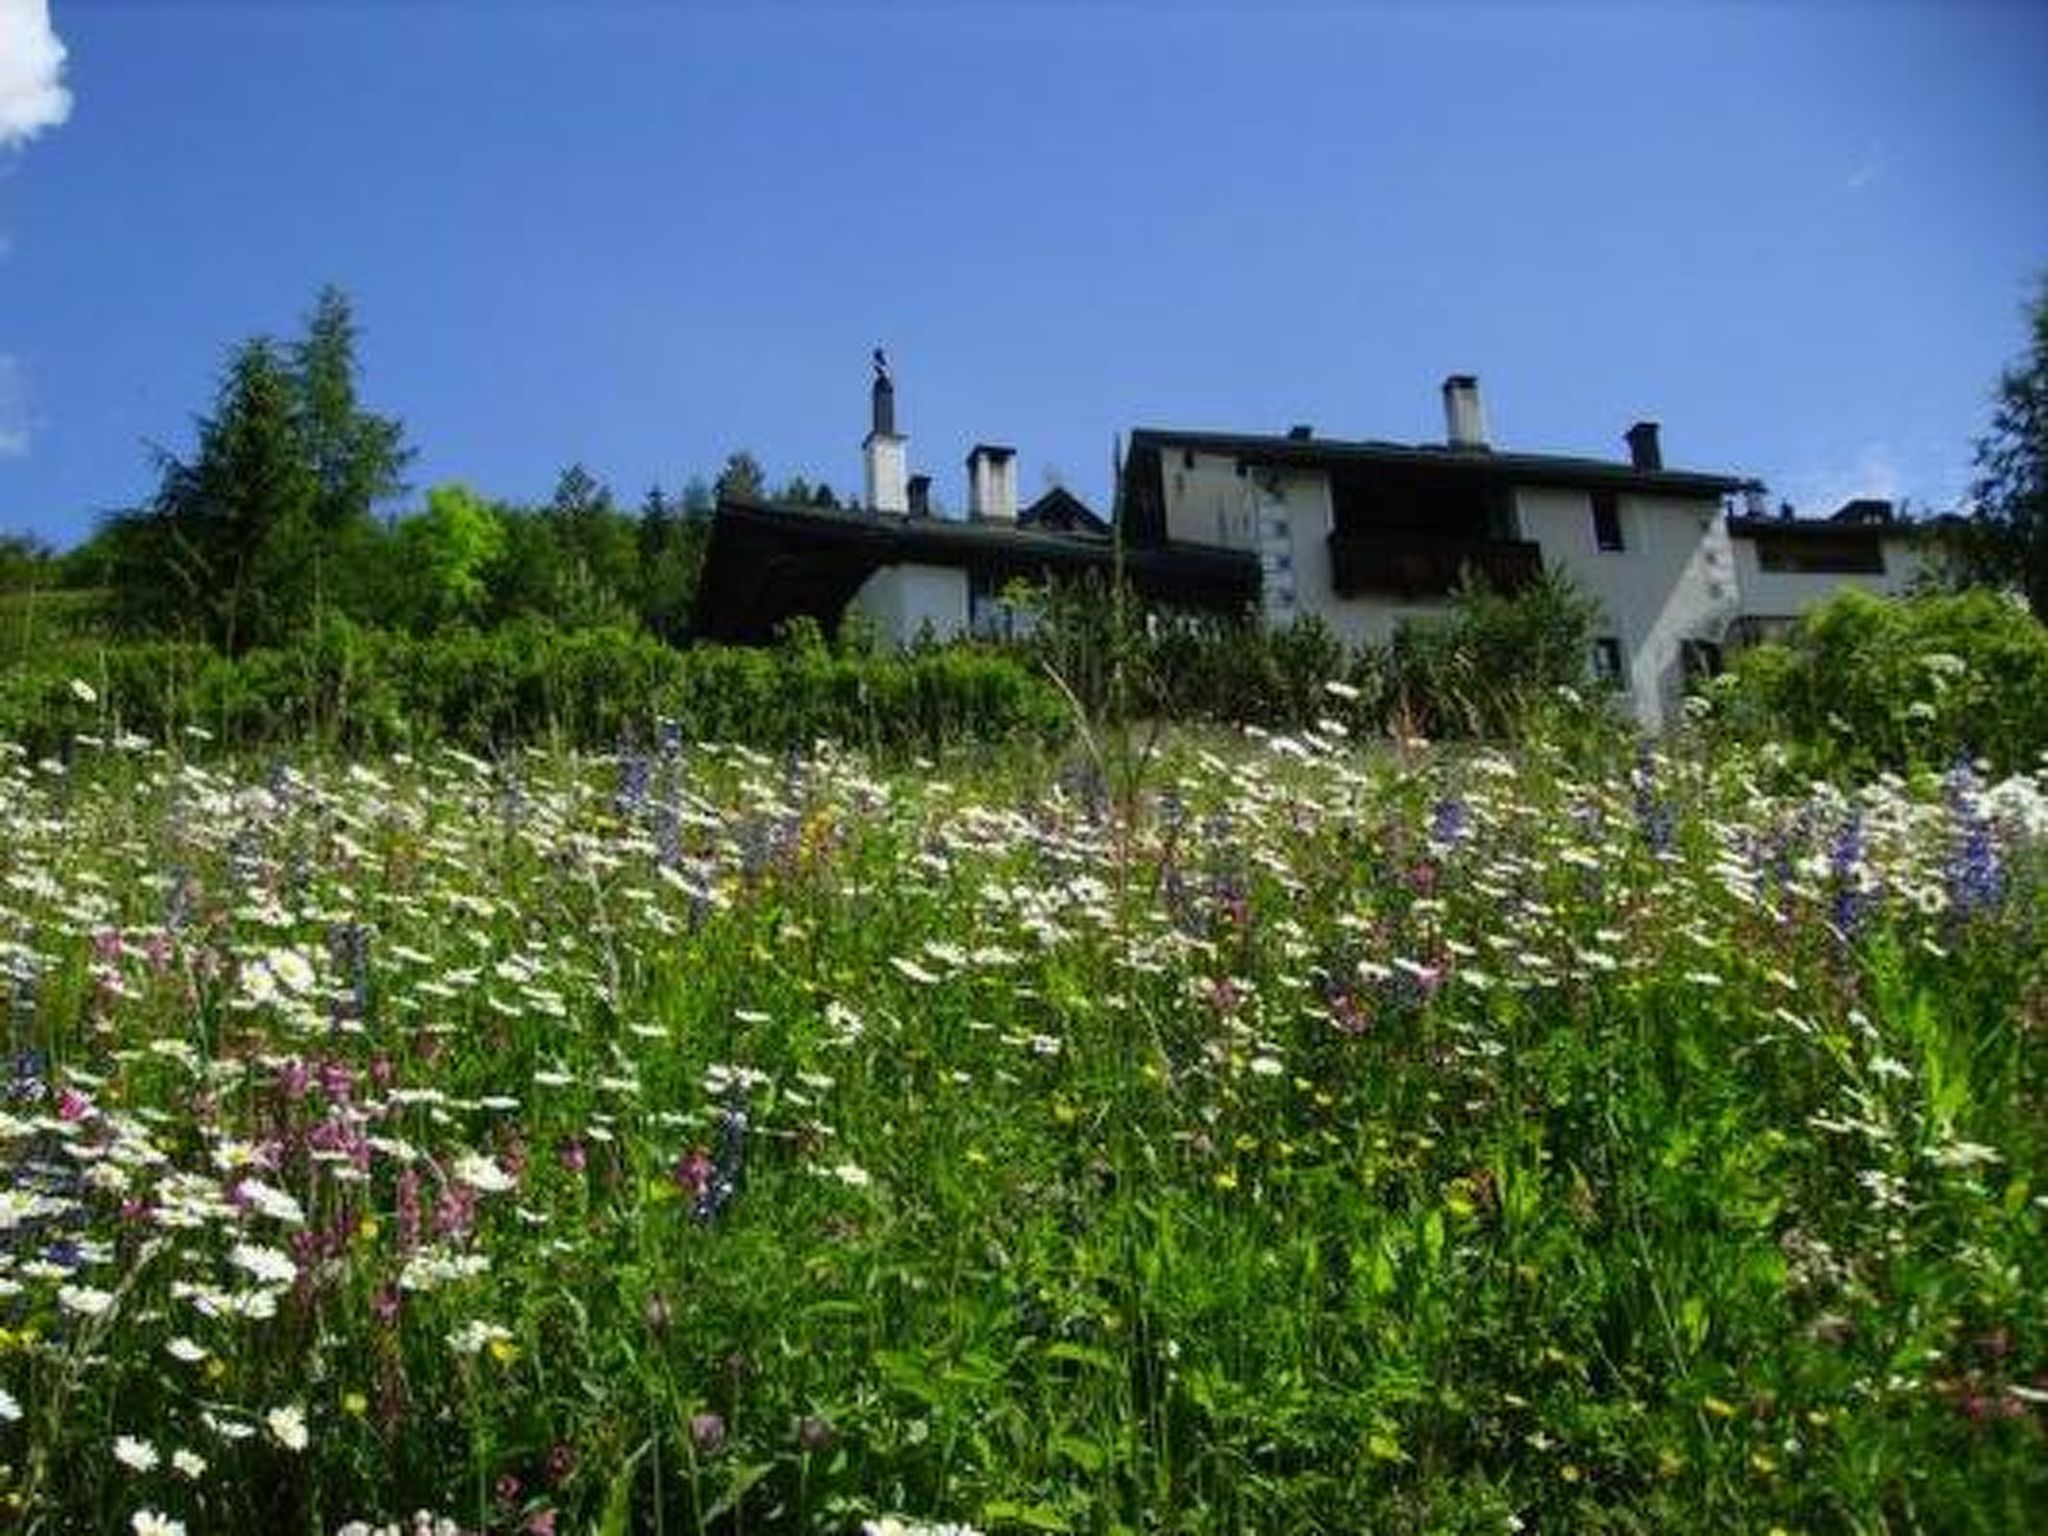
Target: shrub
364, 689
1869, 684
1496, 662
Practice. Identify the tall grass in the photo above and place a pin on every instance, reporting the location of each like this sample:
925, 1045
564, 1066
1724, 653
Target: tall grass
1313, 1139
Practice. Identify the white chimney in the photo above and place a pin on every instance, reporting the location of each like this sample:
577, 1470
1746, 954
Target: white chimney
1464, 421
992, 484
884, 452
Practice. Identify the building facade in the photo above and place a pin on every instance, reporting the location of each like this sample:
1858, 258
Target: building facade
1786, 566
1362, 535
1366, 536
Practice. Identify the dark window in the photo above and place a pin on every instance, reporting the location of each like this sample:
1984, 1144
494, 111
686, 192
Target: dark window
1607, 659
1820, 555
1606, 521
1699, 660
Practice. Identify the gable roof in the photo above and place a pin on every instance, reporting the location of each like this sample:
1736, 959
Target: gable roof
1060, 508
1330, 453
768, 563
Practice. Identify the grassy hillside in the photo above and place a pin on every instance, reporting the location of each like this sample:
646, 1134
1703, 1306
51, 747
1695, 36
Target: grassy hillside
1315, 1141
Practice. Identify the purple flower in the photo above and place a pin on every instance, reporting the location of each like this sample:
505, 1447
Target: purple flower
707, 1433
1976, 877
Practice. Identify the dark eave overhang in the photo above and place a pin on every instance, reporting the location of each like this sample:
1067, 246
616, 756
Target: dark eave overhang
1825, 529
768, 563
1332, 454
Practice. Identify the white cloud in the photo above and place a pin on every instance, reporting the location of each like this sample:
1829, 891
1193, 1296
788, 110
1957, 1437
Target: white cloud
14, 422
32, 92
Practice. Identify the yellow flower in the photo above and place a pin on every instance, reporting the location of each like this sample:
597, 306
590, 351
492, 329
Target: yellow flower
504, 1351
1226, 1181
368, 1228
354, 1404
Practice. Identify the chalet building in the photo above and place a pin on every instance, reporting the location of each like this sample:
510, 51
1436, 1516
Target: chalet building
912, 572
1785, 566
1368, 535
1363, 535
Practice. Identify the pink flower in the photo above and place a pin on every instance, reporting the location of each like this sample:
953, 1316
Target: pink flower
693, 1172
409, 1208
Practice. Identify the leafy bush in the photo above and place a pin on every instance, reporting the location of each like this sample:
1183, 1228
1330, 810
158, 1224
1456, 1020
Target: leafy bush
1489, 668
1495, 662
1869, 684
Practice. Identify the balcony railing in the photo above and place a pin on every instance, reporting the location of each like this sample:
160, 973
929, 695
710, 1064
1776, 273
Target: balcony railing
1418, 565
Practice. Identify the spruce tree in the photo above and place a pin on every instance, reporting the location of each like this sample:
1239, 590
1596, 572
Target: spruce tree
2008, 535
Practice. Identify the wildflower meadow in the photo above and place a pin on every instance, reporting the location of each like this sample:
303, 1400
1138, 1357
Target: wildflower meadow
1296, 1135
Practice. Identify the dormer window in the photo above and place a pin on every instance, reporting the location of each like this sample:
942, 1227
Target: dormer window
1606, 521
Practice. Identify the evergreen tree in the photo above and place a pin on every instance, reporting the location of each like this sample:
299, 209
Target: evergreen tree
671, 556
2007, 539
599, 572
356, 458
741, 478
235, 525
270, 523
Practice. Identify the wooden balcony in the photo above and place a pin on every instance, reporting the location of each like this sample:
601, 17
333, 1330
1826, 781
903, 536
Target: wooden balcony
1410, 565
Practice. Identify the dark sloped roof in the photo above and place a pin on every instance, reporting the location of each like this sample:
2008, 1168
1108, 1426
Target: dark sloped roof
1060, 508
1519, 468
768, 563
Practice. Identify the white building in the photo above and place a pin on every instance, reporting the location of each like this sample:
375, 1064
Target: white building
1786, 566
1363, 535
913, 573
1366, 535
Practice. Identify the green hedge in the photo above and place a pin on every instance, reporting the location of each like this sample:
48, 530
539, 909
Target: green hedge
1868, 684
375, 689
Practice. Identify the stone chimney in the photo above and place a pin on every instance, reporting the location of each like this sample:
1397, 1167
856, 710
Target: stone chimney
1464, 421
992, 484
883, 452
1644, 451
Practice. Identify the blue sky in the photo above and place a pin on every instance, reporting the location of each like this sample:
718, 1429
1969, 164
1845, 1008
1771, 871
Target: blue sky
642, 235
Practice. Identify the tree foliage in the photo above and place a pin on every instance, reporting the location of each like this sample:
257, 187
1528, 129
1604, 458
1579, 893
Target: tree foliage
1868, 685
443, 559
270, 527
2008, 534
742, 477
265, 526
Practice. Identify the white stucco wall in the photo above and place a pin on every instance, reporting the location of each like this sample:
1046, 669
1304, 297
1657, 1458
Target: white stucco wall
901, 600
1207, 501
1673, 580
1285, 517
1788, 594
